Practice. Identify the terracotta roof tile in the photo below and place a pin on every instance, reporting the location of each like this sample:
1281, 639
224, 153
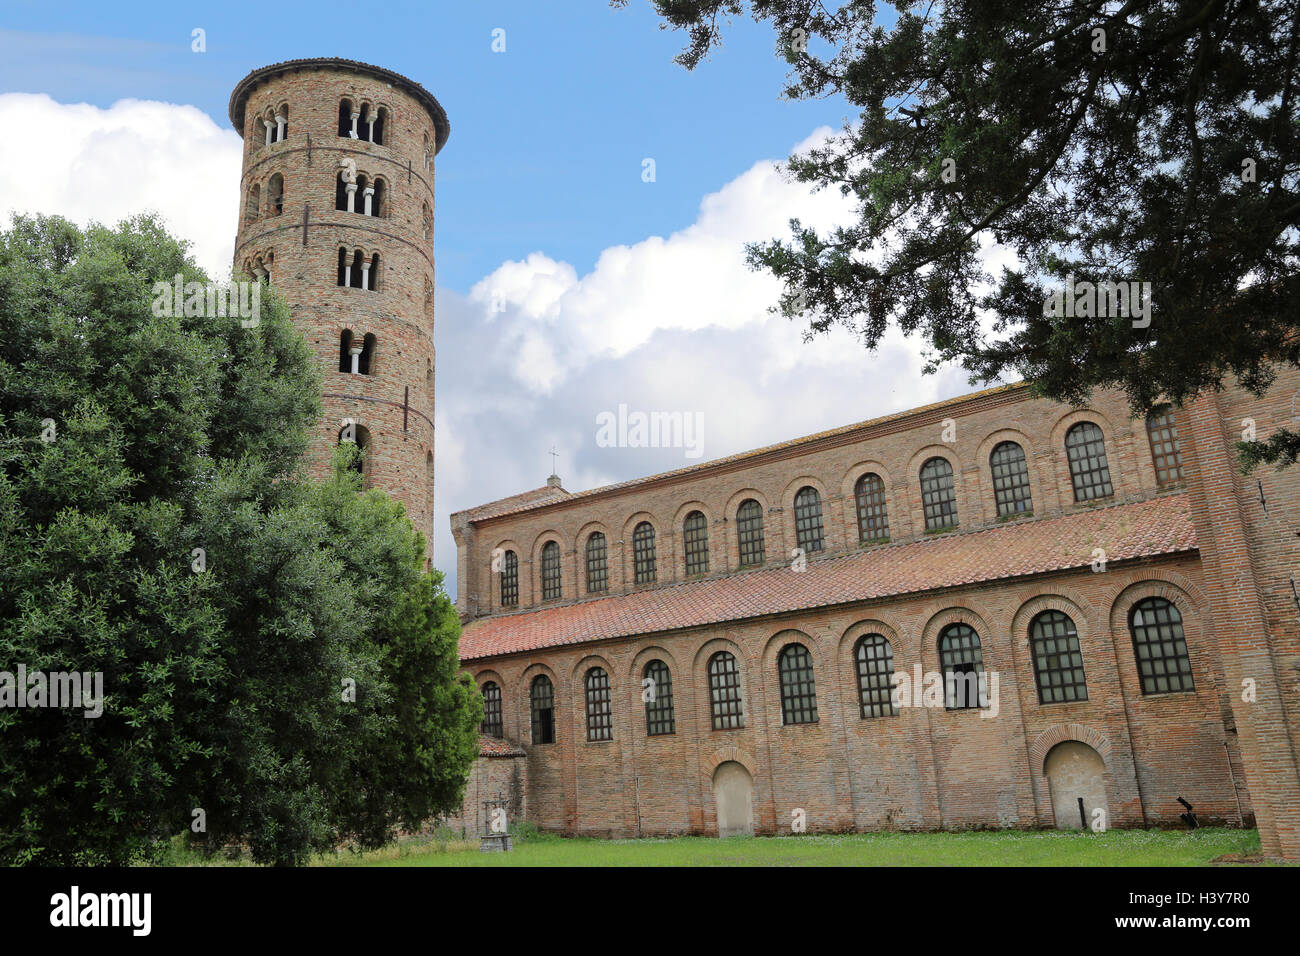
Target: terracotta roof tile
496, 747
1159, 525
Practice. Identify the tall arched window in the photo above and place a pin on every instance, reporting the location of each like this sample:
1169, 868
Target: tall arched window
1085, 447
962, 660
657, 691
282, 123
1160, 647
491, 710
695, 535
348, 117
798, 686
938, 497
597, 563
360, 436
749, 532
724, 692
1165, 453
275, 194
1058, 662
874, 658
367, 355
808, 519
346, 359
873, 517
551, 588
643, 553
376, 203
1010, 480
600, 720
345, 193
509, 579
541, 704
254, 206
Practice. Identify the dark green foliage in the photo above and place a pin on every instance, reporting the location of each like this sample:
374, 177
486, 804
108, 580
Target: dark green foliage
1122, 161
224, 690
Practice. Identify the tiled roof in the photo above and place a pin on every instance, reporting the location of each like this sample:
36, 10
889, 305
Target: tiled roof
496, 747
1156, 526
518, 502
508, 506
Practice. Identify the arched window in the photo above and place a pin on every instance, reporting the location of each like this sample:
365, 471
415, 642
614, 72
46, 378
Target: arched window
695, 534
937, 495
600, 721
724, 692
367, 354
597, 564
358, 435
808, 519
962, 660
375, 204
348, 117
491, 710
1085, 447
1010, 480
254, 207
428, 153
375, 121
873, 518
657, 690
541, 704
346, 359
426, 222
1058, 662
798, 687
282, 123
749, 532
509, 579
1165, 453
551, 589
370, 273
345, 193
1160, 647
874, 658
345, 268
643, 553
275, 194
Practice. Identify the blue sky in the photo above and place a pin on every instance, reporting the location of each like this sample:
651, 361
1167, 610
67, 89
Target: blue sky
613, 291
547, 138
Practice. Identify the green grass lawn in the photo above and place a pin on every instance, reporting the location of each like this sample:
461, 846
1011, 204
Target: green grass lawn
984, 848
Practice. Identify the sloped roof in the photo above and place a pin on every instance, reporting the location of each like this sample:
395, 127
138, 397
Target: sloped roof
496, 747
1159, 525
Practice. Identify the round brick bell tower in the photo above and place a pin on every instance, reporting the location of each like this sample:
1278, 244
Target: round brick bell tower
336, 212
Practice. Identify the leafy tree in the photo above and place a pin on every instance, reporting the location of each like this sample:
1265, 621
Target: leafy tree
128, 439
1149, 141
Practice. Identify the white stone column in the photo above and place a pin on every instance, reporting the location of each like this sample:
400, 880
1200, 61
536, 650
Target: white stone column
365, 273
355, 351
281, 121
370, 131
369, 194
356, 117
269, 127
352, 197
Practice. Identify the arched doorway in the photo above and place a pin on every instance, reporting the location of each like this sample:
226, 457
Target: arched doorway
733, 795
1076, 777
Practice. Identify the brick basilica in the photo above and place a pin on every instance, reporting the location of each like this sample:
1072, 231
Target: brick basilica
1097, 615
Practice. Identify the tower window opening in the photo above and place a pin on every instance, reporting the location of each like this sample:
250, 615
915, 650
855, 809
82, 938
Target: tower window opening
275, 194
367, 354
345, 351
348, 116
254, 203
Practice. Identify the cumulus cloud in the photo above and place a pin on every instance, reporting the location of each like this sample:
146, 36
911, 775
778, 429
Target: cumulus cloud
536, 351
88, 163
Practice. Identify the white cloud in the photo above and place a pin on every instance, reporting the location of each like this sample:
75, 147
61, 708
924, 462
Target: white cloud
676, 323
696, 278
88, 163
